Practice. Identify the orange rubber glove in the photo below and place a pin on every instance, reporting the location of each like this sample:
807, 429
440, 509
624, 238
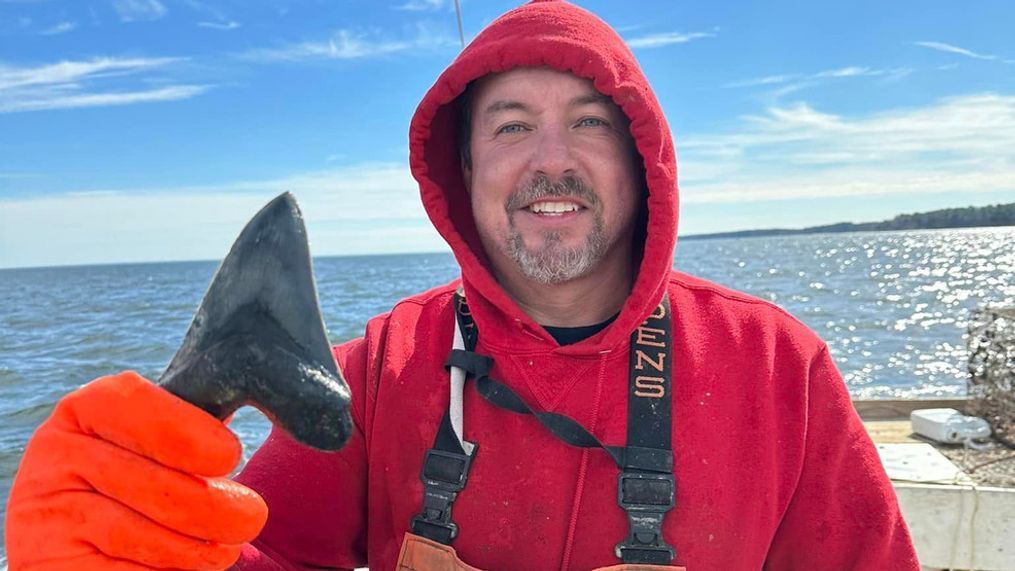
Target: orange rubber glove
125, 475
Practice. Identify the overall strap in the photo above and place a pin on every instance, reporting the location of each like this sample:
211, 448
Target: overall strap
446, 465
646, 487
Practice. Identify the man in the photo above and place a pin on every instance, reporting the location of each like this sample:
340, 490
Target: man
546, 163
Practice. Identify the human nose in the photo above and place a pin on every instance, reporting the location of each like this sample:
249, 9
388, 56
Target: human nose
553, 156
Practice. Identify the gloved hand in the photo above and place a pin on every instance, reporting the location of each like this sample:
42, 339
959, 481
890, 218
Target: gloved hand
125, 475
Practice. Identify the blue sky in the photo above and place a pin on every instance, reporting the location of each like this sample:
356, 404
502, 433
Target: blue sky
142, 130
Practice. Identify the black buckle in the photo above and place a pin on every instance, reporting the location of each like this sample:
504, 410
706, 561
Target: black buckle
444, 475
646, 498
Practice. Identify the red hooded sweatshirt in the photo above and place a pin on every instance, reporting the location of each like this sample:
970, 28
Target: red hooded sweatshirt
773, 468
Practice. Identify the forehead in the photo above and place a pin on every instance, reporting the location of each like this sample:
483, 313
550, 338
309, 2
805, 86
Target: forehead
534, 86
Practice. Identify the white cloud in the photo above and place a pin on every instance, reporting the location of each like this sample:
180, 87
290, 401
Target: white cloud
851, 71
424, 5
139, 10
802, 81
957, 145
949, 48
225, 26
71, 84
349, 44
341, 207
766, 80
666, 39
71, 72
791, 88
61, 28
53, 101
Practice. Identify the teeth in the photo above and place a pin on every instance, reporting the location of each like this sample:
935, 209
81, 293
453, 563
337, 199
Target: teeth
553, 207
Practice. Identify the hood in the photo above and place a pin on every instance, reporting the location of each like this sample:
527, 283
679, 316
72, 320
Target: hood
559, 35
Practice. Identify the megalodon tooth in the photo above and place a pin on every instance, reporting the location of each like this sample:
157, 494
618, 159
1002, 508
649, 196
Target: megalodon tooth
258, 337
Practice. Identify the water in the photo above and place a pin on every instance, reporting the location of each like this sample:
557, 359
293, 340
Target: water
892, 306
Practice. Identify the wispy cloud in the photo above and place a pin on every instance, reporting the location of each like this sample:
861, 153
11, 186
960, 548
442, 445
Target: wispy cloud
424, 5
666, 39
858, 71
949, 48
803, 81
172, 93
139, 10
350, 45
69, 72
766, 80
956, 145
784, 90
61, 28
212, 15
225, 26
72, 84
851, 71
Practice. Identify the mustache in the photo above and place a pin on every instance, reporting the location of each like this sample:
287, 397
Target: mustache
541, 187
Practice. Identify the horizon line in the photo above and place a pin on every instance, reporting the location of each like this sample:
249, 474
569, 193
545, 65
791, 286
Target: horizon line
205, 260
694, 237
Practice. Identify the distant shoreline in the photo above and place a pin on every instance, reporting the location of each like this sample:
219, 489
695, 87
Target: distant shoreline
992, 216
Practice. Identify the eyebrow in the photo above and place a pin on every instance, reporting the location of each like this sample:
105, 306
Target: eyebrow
512, 105
590, 99
505, 105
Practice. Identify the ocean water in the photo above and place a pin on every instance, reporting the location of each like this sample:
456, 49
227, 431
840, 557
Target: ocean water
892, 306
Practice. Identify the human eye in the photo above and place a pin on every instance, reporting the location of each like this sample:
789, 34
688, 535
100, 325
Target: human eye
592, 122
511, 128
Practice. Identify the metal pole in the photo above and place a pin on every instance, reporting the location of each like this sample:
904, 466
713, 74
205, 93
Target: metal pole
458, 13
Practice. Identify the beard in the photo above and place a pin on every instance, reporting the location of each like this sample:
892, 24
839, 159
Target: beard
552, 262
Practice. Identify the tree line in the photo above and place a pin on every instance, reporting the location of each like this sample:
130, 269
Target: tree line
968, 217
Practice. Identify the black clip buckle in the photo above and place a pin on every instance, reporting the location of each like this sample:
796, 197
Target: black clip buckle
646, 498
444, 475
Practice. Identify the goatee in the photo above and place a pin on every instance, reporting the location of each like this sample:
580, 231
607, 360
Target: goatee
552, 262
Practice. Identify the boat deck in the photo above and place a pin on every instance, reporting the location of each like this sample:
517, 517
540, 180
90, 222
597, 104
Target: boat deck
959, 503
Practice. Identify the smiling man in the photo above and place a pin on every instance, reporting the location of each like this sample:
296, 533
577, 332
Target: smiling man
616, 414
555, 188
